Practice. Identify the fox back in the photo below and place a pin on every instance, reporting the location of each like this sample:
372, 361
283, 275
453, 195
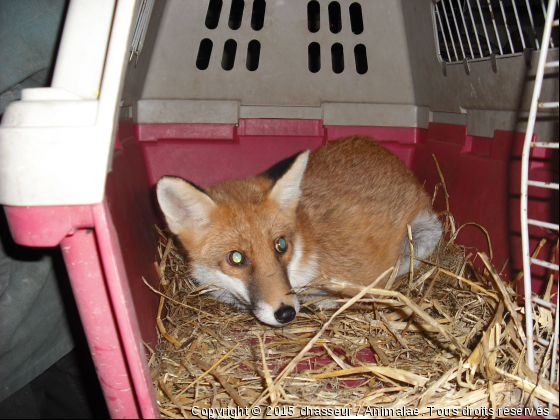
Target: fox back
272, 239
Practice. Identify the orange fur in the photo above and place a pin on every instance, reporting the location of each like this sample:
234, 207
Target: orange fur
345, 220
357, 200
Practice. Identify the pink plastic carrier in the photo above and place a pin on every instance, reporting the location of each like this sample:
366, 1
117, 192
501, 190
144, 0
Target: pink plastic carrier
168, 94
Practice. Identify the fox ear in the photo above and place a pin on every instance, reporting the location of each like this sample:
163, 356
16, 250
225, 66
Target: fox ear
183, 204
289, 173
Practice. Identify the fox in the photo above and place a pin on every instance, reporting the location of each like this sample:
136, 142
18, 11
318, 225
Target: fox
273, 240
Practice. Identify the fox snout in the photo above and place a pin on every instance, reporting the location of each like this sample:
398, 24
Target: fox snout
270, 298
285, 314
273, 301
276, 317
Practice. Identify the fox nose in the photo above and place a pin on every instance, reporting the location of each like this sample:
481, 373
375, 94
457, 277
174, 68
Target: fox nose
285, 314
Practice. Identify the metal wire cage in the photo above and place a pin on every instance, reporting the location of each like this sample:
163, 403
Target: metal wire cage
474, 30
529, 143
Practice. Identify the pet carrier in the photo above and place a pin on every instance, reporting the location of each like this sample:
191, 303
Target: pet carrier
219, 89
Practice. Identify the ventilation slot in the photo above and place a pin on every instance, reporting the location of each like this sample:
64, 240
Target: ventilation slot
337, 54
213, 14
356, 19
204, 51
228, 59
257, 17
236, 14
361, 59
314, 57
335, 21
253, 55
313, 16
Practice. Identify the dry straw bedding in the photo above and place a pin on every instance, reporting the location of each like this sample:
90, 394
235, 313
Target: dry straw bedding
433, 344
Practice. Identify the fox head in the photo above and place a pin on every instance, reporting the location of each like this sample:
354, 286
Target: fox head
241, 236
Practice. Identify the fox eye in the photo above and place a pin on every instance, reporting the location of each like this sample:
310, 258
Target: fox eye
281, 245
235, 258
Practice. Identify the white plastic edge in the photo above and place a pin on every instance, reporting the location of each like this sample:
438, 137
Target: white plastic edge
55, 144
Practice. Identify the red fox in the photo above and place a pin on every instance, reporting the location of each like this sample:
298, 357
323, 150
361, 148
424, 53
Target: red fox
272, 239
